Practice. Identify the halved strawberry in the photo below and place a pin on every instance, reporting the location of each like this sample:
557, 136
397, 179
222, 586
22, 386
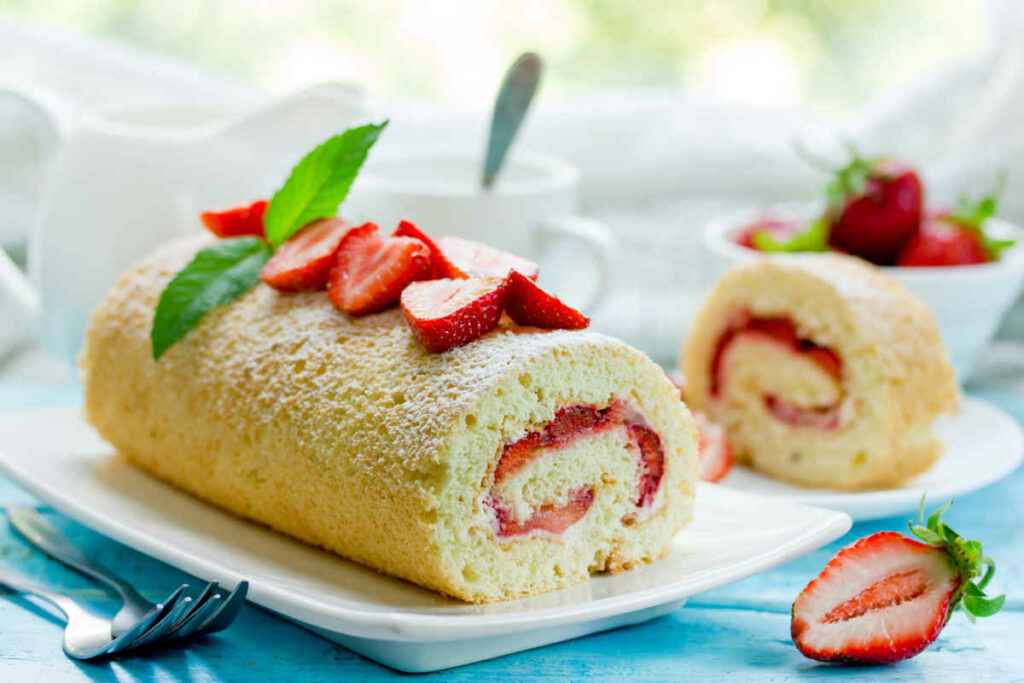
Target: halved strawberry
370, 271
449, 313
714, 458
236, 222
442, 267
481, 260
304, 261
530, 305
887, 597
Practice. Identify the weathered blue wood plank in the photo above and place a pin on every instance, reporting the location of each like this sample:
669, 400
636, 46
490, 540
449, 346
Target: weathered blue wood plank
739, 631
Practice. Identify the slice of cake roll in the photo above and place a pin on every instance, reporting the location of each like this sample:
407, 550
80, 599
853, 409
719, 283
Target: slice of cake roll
520, 463
823, 371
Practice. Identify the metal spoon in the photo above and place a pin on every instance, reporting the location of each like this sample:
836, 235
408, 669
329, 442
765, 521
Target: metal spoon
510, 107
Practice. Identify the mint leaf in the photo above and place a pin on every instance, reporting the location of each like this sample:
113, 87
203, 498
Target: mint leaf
814, 238
319, 182
217, 275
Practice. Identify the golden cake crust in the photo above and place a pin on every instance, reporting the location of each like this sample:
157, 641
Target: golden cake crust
897, 373
344, 432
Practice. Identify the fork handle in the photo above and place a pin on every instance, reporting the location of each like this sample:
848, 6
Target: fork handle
16, 582
38, 531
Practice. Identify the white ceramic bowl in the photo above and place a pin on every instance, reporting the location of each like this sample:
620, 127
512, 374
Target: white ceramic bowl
968, 301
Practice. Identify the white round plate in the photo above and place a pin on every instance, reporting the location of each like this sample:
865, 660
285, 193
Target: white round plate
983, 445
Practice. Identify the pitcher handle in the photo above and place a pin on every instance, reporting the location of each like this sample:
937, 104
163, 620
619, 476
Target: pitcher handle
46, 118
312, 109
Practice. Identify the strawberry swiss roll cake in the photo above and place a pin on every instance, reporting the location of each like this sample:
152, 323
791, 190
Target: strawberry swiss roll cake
823, 371
518, 460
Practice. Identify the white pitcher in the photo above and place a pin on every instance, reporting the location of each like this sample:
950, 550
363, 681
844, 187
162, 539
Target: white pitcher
127, 179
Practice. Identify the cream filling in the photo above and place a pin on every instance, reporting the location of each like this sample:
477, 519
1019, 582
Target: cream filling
756, 366
603, 461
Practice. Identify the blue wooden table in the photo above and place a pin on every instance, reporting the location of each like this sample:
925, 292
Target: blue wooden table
739, 631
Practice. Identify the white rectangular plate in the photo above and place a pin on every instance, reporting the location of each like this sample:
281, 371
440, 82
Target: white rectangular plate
981, 445
56, 456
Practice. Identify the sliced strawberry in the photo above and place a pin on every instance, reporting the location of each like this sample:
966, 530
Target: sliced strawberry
714, 457
887, 597
449, 313
236, 222
569, 423
551, 518
481, 260
304, 261
816, 417
780, 329
530, 305
652, 461
442, 267
370, 271
942, 242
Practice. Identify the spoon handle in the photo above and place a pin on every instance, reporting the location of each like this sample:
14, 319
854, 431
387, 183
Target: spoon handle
513, 101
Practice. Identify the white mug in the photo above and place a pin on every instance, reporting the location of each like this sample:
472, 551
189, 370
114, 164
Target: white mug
530, 211
124, 180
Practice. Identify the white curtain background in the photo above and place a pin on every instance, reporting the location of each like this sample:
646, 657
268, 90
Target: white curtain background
656, 163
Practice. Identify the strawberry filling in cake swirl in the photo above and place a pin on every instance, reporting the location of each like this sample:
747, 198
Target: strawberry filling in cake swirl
780, 331
571, 425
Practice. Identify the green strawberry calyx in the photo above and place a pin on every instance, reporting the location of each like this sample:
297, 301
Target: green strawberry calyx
973, 214
967, 558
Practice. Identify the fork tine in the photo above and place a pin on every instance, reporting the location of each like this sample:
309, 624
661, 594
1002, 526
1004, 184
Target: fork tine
201, 606
227, 612
199, 616
129, 637
161, 627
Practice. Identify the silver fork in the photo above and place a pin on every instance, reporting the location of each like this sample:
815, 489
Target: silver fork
208, 613
88, 636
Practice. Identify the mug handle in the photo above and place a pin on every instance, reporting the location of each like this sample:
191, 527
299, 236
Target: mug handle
595, 237
20, 307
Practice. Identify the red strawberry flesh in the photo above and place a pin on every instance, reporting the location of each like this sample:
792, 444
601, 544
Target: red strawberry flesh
370, 271
882, 599
532, 306
445, 314
236, 222
652, 461
304, 261
554, 519
568, 425
480, 260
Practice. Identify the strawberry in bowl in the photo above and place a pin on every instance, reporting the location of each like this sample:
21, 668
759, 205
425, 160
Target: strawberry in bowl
875, 209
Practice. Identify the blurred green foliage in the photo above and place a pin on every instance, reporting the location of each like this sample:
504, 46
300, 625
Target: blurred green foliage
828, 54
